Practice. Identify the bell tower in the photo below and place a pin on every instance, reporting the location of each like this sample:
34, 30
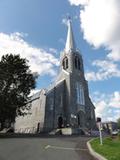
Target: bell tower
78, 108
71, 59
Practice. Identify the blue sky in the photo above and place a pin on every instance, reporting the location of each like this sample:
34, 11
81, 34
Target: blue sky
36, 29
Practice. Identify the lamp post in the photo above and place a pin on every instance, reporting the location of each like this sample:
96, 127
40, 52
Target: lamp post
99, 124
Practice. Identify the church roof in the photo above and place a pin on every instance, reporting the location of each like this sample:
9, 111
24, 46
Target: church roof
55, 85
70, 42
37, 95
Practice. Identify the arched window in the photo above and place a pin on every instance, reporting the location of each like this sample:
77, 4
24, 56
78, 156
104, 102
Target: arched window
60, 122
65, 63
80, 94
77, 63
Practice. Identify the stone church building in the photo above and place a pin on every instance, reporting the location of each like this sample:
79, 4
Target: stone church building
66, 104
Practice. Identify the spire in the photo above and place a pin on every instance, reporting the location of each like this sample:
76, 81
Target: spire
70, 43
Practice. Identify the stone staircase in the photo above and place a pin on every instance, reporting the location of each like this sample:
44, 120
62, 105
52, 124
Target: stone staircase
69, 131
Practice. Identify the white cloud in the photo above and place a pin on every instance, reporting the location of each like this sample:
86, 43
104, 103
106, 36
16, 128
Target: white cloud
100, 106
106, 70
53, 50
78, 2
40, 60
91, 76
115, 51
113, 117
115, 100
34, 91
100, 23
107, 105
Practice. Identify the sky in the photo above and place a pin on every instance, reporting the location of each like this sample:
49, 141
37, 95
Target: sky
36, 29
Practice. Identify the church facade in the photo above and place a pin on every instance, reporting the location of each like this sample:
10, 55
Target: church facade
66, 104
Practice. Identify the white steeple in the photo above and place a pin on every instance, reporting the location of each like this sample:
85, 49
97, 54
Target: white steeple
70, 43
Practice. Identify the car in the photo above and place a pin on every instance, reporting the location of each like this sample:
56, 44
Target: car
115, 132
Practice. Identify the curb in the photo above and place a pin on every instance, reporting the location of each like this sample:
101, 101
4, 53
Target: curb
93, 153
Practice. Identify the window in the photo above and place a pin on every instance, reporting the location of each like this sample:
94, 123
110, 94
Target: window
92, 114
61, 101
65, 63
51, 103
77, 63
80, 94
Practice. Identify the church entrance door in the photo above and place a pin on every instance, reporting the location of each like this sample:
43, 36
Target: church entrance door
81, 119
60, 122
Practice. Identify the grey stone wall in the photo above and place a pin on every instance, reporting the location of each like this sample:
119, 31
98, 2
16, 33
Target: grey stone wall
29, 123
55, 106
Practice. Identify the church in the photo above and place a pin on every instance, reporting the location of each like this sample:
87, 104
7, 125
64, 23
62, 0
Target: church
66, 103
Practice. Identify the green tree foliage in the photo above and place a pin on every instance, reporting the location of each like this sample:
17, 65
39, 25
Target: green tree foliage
118, 121
16, 82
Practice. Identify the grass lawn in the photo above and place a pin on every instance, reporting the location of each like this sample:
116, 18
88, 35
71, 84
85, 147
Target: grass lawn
110, 148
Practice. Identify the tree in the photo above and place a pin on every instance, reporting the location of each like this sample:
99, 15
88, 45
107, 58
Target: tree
118, 122
16, 82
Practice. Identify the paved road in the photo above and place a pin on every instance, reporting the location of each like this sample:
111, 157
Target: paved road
57, 148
